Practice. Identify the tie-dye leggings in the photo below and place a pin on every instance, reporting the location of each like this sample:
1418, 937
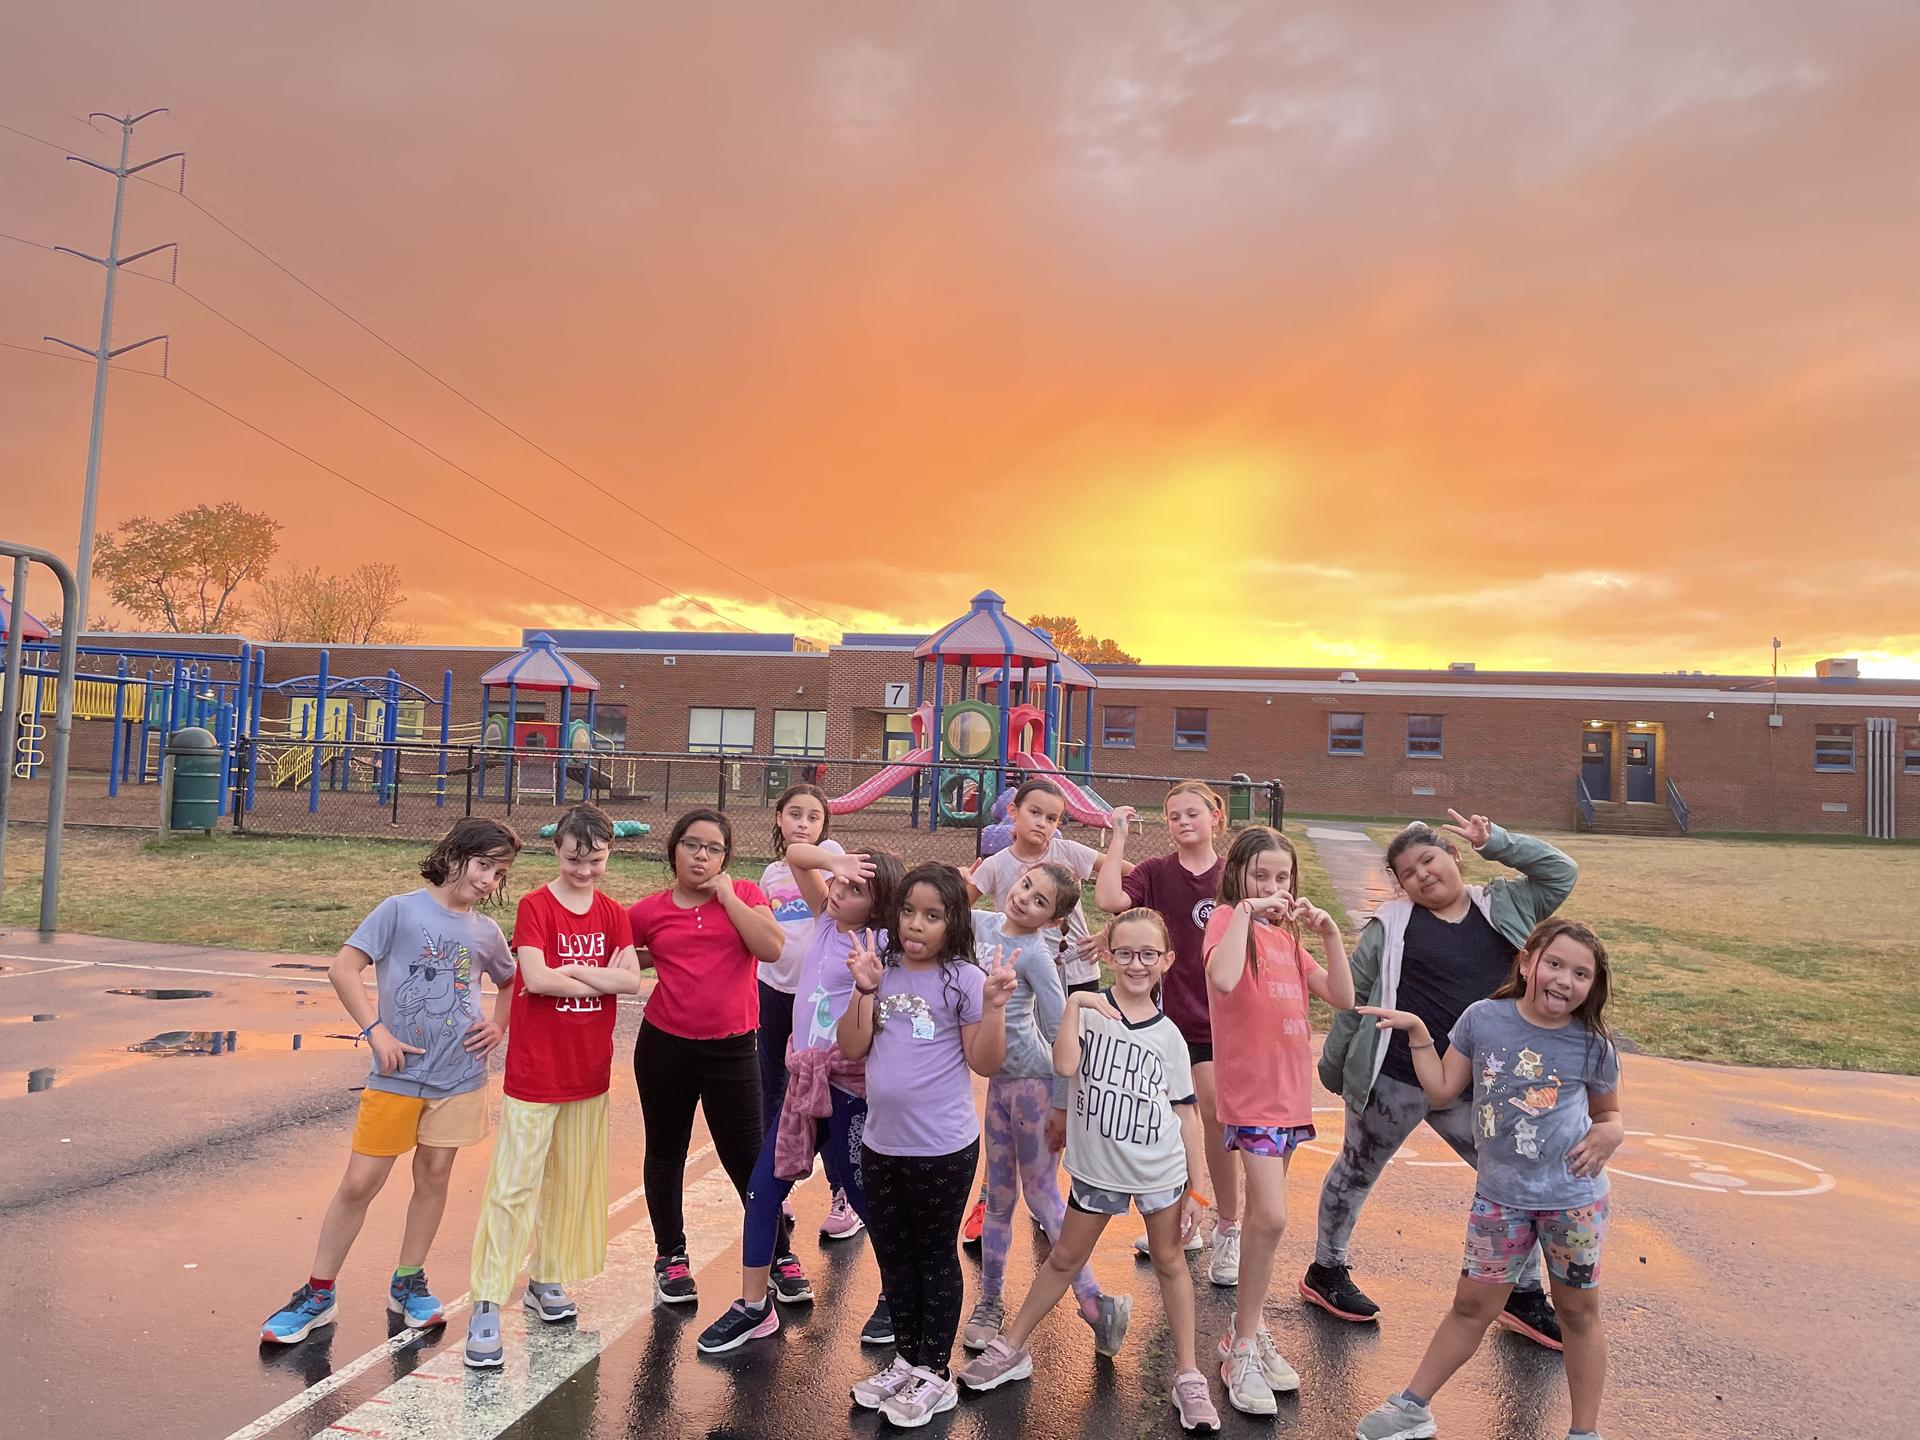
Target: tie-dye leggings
1019, 1162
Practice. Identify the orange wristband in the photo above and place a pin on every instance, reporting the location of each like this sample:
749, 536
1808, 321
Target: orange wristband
1199, 1199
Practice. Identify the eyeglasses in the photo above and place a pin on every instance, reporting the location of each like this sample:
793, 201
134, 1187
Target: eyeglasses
1131, 958
702, 848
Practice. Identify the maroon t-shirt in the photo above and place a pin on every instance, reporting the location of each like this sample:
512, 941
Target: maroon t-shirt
1184, 901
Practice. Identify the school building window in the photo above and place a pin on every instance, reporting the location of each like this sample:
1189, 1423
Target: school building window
1347, 734
800, 732
1117, 724
723, 732
1833, 747
1189, 729
1910, 752
1424, 736
611, 722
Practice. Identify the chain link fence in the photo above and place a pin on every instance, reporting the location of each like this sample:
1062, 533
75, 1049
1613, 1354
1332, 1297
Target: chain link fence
416, 791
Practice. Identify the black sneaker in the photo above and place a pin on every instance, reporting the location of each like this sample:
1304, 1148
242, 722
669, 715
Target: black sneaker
741, 1323
790, 1285
879, 1327
673, 1280
1529, 1313
1331, 1287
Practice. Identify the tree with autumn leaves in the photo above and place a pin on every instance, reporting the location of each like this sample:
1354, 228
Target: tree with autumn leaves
1068, 639
185, 574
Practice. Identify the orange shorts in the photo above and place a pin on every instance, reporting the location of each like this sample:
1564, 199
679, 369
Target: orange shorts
392, 1124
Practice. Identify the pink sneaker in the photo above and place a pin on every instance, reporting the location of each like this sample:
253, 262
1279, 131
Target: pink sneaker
1195, 1405
842, 1221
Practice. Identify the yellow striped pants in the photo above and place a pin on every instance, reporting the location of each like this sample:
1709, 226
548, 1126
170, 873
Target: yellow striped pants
549, 1165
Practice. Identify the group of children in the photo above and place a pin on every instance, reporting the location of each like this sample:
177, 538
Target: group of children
843, 1007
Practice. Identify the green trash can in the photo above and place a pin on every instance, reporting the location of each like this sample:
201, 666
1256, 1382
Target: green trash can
1240, 800
193, 797
778, 778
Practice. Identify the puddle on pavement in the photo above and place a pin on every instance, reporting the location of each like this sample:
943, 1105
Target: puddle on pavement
225, 1042
38, 1018
38, 1080
146, 994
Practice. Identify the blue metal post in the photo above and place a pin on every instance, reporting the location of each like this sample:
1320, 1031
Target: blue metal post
566, 737
390, 734
513, 735
933, 774
319, 728
119, 722
446, 717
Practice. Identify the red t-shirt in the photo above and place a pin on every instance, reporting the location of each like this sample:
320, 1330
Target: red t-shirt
1262, 1044
708, 986
560, 1047
1184, 901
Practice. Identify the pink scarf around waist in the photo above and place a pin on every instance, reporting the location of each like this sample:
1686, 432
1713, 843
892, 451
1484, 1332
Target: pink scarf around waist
809, 1073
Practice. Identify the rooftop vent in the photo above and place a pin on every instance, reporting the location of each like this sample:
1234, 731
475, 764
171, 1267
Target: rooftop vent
1848, 669
1461, 667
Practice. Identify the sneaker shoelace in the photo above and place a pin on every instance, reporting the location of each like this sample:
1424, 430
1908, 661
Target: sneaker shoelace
788, 1269
677, 1269
1244, 1365
414, 1285
1191, 1389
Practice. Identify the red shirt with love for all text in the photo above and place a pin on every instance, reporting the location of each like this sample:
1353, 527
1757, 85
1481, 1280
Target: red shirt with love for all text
560, 1047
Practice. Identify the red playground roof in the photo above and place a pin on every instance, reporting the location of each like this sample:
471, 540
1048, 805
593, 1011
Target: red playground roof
30, 628
985, 635
541, 666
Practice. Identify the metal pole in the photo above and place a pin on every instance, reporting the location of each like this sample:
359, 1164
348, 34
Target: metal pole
119, 741
10, 699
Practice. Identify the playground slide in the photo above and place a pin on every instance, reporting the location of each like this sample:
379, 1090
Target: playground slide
1085, 808
876, 785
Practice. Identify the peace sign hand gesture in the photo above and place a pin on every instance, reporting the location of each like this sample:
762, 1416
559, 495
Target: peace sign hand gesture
1476, 831
863, 960
999, 982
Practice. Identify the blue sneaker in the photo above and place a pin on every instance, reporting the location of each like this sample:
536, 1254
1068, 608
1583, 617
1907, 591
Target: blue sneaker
306, 1312
408, 1295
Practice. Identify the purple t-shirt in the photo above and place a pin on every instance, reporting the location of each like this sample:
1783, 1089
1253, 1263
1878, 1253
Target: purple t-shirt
919, 1090
824, 983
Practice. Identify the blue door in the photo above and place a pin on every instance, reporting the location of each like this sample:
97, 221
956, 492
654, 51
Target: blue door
1640, 776
1596, 764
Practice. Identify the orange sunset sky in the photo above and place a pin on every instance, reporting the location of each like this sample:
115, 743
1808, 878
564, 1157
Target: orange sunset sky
1539, 336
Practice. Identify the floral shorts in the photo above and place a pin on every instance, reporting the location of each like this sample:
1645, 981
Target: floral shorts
1499, 1238
1278, 1141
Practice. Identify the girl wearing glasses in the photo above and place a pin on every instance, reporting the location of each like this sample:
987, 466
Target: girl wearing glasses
1258, 978
704, 936
1133, 1141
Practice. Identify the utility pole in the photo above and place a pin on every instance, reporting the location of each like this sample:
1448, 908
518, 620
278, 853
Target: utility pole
105, 353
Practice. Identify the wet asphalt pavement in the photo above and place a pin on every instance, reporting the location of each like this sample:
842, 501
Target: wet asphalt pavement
156, 1205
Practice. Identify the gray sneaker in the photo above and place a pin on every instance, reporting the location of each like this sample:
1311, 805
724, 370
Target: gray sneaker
998, 1364
1225, 1266
484, 1351
1110, 1326
549, 1302
988, 1319
1398, 1419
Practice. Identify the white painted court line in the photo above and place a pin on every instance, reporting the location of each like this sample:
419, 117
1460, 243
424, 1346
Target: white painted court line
353, 1369
1314, 832
136, 965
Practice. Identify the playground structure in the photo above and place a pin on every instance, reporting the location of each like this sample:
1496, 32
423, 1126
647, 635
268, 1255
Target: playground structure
964, 749
540, 670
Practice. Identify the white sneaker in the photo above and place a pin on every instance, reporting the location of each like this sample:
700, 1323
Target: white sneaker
924, 1396
1281, 1377
881, 1386
1225, 1269
1196, 1242
1246, 1386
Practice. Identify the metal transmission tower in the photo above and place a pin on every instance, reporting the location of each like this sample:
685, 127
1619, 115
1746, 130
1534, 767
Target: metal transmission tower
105, 353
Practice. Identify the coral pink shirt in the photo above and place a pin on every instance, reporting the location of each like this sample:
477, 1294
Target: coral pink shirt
1262, 1044
708, 986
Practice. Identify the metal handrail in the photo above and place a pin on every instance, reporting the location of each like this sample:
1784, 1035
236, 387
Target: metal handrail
1585, 801
1681, 814
10, 712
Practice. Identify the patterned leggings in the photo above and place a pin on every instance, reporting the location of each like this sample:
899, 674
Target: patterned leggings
1018, 1161
915, 1204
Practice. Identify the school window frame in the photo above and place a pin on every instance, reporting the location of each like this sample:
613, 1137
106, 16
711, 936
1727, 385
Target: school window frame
812, 738
1834, 747
1346, 732
1119, 726
716, 730
1190, 733
610, 721
1422, 745
1910, 750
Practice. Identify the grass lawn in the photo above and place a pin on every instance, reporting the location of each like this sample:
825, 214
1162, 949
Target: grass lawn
1759, 952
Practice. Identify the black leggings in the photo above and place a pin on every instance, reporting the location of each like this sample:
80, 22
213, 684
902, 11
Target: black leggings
915, 1204
722, 1077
